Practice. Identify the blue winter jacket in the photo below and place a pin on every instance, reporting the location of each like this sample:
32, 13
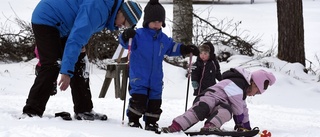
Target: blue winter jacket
147, 53
78, 20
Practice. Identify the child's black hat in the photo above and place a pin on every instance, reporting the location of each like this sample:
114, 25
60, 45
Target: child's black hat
154, 11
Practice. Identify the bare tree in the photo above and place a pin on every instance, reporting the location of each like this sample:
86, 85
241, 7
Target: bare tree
182, 21
291, 31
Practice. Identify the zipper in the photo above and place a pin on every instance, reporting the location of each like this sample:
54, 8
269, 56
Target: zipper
161, 47
204, 67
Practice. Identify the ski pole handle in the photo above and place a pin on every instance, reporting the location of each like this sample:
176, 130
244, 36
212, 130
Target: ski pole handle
190, 64
129, 48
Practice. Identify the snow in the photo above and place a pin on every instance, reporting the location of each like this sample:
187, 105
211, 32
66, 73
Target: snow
288, 108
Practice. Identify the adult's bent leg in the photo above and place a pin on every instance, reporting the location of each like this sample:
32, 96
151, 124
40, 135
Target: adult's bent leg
48, 44
80, 88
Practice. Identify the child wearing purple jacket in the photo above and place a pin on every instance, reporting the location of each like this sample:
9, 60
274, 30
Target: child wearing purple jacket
224, 100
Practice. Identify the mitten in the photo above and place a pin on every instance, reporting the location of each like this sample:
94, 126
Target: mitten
238, 118
242, 127
195, 84
239, 125
246, 125
238, 121
187, 49
127, 34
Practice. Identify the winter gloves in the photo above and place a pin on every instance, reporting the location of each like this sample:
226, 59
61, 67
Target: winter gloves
242, 127
187, 49
127, 34
239, 125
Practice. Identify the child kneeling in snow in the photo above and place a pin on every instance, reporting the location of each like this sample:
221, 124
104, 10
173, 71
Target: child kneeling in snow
223, 100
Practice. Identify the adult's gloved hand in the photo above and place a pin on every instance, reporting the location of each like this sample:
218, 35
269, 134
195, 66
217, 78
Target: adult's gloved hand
127, 34
187, 49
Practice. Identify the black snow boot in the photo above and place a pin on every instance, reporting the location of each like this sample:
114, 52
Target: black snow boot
84, 116
134, 124
152, 127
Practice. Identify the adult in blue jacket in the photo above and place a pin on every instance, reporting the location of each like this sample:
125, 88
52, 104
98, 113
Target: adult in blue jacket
62, 28
149, 46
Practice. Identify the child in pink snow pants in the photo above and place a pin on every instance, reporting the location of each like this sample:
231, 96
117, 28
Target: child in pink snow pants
224, 100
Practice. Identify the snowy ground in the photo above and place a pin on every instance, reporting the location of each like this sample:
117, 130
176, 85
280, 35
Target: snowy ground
289, 108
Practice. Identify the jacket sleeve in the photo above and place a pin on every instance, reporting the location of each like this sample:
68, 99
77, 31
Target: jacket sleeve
88, 21
245, 113
122, 43
174, 47
218, 71
195, 73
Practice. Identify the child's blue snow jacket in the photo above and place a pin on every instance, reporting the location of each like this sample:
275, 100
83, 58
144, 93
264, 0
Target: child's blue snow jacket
147, 53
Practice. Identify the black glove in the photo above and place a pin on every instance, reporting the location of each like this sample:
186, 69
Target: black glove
127, 34
187, 49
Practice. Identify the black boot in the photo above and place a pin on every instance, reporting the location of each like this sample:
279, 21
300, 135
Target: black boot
134, 124
152, 127
84, 116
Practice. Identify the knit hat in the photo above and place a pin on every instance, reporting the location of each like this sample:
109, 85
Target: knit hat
263, 79
154, 11
132, 12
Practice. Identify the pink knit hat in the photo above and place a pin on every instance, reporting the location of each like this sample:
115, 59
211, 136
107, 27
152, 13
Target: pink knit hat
263, 79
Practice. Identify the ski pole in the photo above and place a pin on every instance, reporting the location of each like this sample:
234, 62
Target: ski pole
189, 70
124, 102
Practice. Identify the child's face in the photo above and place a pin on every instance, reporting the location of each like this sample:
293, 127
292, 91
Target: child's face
252, 90
156, 25
204, 55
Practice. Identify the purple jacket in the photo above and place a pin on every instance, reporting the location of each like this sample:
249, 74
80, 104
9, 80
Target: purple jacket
230, 91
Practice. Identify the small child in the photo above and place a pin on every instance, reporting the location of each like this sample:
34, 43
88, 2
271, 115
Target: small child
205, 70
149, 45
223, 100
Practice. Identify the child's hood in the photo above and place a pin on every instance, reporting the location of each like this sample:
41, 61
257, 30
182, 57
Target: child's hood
237, 72
212, 54
211, 49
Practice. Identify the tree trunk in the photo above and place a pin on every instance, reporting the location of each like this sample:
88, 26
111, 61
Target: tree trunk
291, 31
182, 21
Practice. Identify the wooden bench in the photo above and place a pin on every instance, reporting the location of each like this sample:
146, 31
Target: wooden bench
119, 72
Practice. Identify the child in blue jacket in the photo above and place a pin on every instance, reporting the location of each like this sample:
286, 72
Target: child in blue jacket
149, 45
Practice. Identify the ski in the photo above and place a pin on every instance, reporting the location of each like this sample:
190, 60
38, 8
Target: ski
225, 133
64, 115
